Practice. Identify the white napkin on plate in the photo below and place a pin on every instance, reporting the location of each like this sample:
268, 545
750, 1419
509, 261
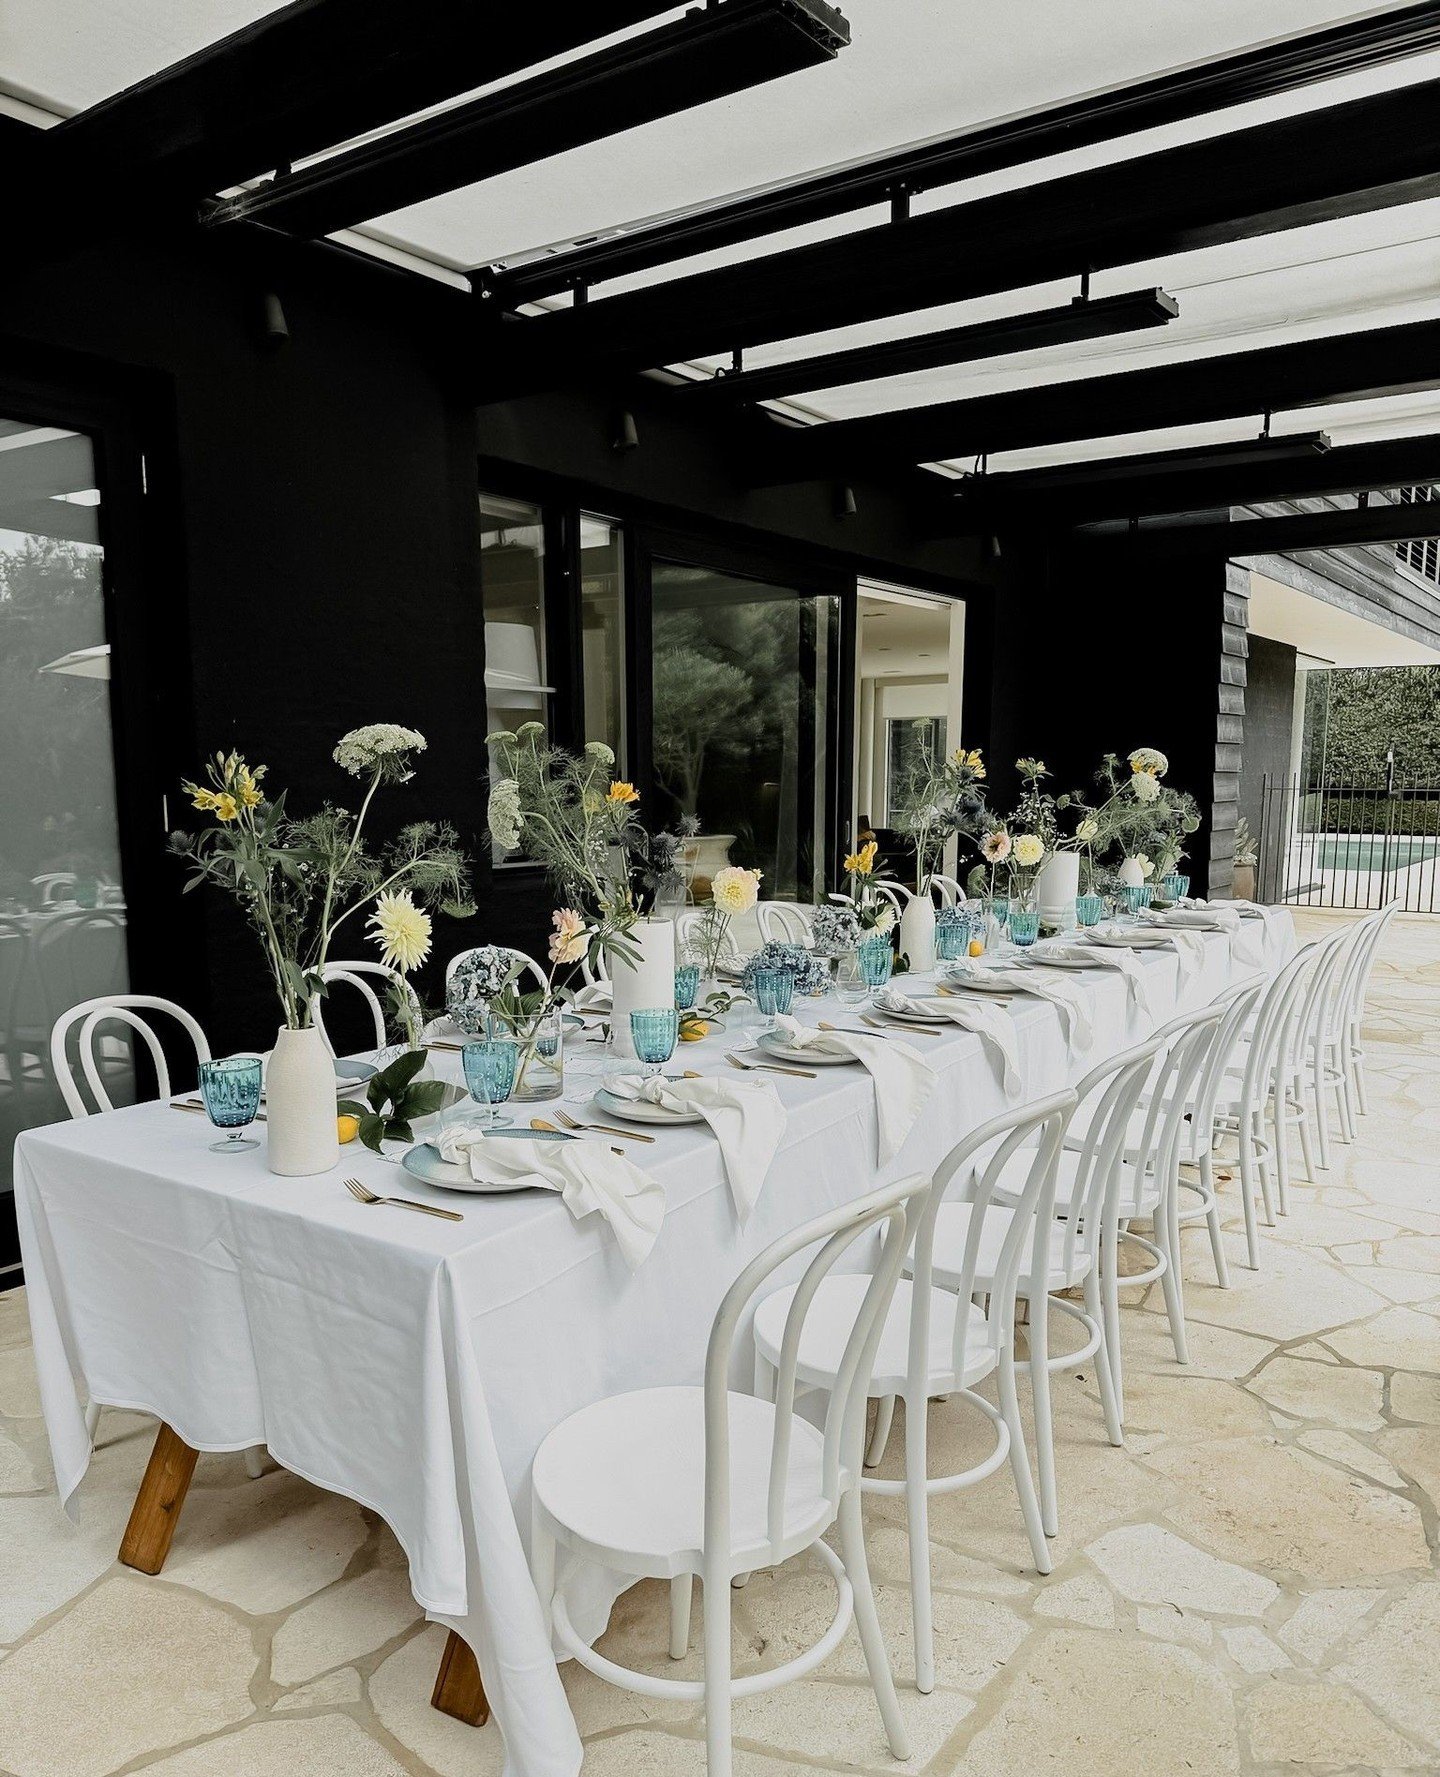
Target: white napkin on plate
589, 1178
1201, 917
993, 1027
747, 1120
1068, 997
903, 1078
1125, 961
598, 997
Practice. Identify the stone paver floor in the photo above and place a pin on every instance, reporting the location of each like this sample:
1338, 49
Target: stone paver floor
1249, 1586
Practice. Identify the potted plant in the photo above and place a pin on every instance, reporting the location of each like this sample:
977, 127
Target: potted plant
1247, 856
298, 879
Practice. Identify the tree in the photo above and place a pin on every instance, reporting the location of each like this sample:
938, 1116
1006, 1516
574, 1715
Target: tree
1375, 708
700, 705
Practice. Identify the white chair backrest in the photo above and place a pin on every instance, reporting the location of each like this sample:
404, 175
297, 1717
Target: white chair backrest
1369, 951
783, 922
1185, 1045
1350, 997
946, 890
687, 935
1267, 1062
1026, 1237
54, 885
845, 1409
529, 966
1239, 1002
354, 974
1114, 1089
1319, 996
92, 1016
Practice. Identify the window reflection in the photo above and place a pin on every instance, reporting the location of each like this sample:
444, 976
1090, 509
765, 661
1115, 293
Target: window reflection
602, 633
62, 908
512, 590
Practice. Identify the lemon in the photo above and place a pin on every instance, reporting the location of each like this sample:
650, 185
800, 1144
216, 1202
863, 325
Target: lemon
977, 947
347, 1128
692, 1033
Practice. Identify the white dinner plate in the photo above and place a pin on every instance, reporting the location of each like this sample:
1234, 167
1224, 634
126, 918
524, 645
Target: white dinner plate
784, 1051
923, 1016
1008, 982
1042, 957
423, 1161
635, 1110
1132, 938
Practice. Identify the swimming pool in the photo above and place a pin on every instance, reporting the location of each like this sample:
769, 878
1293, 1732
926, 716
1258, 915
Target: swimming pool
1368, 851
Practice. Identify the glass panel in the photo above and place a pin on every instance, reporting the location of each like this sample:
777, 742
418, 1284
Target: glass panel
602, 632
512, 591
743, 721
62, 909
913, 745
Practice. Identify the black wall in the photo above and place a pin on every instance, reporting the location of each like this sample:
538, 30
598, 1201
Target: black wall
1269, 721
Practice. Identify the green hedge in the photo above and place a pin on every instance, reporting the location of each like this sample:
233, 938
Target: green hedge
1341, 812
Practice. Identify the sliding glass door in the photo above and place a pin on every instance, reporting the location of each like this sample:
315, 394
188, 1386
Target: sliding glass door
743, 728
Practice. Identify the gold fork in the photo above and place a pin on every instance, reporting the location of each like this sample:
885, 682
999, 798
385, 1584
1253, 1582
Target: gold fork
364, 1195
906, 1030
769, 1067
554, 1129
567, 1122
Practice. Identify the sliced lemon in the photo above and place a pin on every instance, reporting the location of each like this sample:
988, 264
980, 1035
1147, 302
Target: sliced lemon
977, 947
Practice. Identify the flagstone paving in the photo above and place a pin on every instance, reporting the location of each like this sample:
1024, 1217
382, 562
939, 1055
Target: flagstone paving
1250, 1586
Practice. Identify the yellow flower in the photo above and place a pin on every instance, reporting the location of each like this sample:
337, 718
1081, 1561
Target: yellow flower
226, 807
975, 762
401, 929
248, 786
620, 791
200, 798
734, 890
862, 862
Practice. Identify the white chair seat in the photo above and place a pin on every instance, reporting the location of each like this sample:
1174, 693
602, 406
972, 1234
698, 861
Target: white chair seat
952, 1232
832, 1315
625, 1479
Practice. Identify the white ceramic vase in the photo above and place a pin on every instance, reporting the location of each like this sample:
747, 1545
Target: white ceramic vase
1059, 884
1130, 875
917, 933
300, 1134
640, 980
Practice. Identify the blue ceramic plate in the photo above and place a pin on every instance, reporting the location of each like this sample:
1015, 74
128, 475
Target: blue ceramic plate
423, 1162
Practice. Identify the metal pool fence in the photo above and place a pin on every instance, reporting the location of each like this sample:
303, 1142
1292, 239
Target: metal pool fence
1350, 845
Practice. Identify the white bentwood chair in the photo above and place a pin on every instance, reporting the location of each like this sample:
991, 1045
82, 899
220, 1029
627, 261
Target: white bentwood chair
359, 975
92, 1017
783, 922
1352, 1011
668, 1483
938, 1341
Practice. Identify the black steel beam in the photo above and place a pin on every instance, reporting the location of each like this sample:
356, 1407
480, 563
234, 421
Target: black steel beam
306, 76
1331, 528
1197, 480
1339, 161
1276, 379
1082, 319
688, 62
1203, 87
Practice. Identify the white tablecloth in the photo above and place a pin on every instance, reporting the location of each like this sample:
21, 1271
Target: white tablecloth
415, 1365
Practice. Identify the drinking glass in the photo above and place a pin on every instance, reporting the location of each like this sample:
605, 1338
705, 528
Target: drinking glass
1024, 926
687, 985
876, 961
489, 1064
1089, 909
851, 988
952, 935
1175, 887
774, 992
654, 1030
1136, 896
231, 1091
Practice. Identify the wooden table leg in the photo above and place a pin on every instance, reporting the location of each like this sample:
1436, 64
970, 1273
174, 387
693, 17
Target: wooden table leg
156, 1511
459, 1688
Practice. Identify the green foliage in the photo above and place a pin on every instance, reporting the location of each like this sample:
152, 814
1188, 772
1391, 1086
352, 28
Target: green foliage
1372, 709
394, 1099
702, 707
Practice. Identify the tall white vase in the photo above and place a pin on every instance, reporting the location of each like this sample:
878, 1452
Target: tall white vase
1059, 884
1130, 875
647, 980
300, 1134
917, 933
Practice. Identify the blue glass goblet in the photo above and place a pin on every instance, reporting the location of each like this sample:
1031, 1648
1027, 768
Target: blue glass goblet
1024, 926
774, 993
687, 985
1136, 896
490, 1063
655, 1030
877, 959
231, 1092
1175, 887
1089, 909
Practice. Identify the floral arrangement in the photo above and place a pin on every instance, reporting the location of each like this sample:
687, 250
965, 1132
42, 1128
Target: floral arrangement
733, 892
810, 973
876, 912
477, 980
1139, 815
299, 879
941, 800
835, 929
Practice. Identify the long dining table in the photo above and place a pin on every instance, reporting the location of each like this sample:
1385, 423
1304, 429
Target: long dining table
414, 1364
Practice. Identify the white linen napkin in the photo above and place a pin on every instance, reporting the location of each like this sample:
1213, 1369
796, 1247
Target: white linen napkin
589, 1178
993, 1027
903, 1078
598, 997
1201, 917
747, 1120
1068, 997
1125, 961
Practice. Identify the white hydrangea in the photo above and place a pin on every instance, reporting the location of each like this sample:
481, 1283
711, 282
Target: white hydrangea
1146, 788
503, 816
380, 746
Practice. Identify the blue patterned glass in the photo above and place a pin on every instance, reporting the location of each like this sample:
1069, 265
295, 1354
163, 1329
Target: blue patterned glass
1136, 896
877, 959
1175, 887
654, 1031
490, 1065
1024, 925
231, 1093
687, 985
1089, 909
774, 991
